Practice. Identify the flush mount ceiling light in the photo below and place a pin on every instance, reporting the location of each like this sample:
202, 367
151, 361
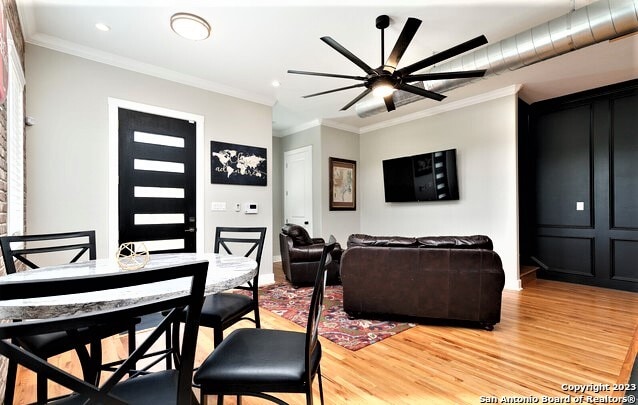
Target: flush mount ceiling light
102, 27
190, 26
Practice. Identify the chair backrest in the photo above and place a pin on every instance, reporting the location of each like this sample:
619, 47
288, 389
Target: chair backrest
298, 234
192, 296
245, 241
19, 246
316, 304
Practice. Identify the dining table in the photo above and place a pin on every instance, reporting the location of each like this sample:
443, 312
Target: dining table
224, 273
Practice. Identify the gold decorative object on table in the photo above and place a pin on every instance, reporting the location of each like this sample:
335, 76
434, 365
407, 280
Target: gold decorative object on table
132, 255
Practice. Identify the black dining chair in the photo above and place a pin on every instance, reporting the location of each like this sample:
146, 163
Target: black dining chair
255, 362
68, 247
223, 310
145, 386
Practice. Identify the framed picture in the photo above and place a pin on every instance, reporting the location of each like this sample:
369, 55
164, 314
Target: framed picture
237, 164
343, 184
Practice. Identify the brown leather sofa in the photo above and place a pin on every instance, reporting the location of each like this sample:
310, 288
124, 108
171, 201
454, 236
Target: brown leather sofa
443, 277
300, 255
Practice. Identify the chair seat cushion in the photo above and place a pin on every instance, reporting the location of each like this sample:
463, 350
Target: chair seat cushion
257, 360
156, 388
49, 344
222, 307
54, 343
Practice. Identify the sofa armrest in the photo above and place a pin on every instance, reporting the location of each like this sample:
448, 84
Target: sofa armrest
309, 253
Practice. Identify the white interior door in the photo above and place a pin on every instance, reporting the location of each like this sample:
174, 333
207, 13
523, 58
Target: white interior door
298, 187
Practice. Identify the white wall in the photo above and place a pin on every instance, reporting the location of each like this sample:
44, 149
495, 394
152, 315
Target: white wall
67, 150
344, 145
485, 138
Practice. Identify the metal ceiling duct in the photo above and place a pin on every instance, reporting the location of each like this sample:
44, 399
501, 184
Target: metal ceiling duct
597, 22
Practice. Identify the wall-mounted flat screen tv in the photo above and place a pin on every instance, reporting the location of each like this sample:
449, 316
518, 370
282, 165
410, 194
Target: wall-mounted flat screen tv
425, 177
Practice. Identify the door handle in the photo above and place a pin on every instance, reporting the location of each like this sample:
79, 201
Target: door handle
305, 222
191, 230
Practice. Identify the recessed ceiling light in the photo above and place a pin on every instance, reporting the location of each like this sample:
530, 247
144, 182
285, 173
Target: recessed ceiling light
190, 26
102, 27
275, 83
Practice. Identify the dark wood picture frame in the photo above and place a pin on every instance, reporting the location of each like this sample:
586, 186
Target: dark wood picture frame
343, 184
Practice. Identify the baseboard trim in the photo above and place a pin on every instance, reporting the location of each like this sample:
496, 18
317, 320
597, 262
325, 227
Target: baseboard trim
266, 279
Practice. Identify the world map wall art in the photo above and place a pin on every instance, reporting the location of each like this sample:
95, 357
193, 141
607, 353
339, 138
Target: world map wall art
237, 164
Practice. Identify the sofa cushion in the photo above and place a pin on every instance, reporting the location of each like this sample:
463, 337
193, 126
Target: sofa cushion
390, 241
457, 242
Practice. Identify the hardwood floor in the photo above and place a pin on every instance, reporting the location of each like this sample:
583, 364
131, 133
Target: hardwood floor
551, 334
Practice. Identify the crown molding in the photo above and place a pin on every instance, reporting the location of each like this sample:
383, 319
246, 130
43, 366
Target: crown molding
107, 58
338, 125
317, 123
451, 106
300, 127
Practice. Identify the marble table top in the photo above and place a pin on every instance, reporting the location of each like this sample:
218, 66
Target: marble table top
224, 272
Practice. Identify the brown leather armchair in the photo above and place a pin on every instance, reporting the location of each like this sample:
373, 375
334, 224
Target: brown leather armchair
300, 255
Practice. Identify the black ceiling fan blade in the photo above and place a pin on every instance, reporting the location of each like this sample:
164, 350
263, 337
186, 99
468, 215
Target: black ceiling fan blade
302, 72
359, 97
445, 75
447, 54
409, 30
389, 103
334, 90
422, 92
339, 48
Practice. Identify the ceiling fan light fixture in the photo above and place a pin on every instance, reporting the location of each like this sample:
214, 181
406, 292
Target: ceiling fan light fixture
383, 90
190, 26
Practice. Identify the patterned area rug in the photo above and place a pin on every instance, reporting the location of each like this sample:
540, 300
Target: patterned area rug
292, 304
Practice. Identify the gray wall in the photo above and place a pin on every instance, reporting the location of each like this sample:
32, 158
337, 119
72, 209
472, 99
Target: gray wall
345, 145
326, 142
308, 137
485, 137
67, 151
277, 195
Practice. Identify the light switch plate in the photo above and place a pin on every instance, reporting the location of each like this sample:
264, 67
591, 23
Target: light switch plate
580, 206
218, 206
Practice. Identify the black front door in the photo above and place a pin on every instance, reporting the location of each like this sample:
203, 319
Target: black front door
157, 178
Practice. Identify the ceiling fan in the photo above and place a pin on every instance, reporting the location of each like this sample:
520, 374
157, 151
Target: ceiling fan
385, 79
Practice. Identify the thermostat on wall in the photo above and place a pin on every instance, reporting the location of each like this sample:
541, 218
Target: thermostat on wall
250, 208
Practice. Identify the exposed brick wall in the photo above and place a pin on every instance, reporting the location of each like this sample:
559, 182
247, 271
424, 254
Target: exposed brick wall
13, 20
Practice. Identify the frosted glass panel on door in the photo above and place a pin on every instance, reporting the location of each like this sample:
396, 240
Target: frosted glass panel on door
158, 166
168, 244
158, 192
155, 139
158, 219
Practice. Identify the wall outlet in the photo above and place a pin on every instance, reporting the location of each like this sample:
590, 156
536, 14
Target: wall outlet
580, 206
